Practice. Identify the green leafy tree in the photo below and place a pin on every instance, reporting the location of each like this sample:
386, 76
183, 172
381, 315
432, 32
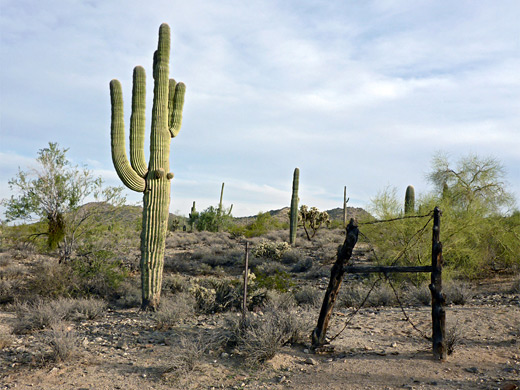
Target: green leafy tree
312, 219
480, 230
55, 191
473, 183
212, 220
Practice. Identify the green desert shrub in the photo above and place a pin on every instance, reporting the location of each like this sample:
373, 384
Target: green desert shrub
280, 281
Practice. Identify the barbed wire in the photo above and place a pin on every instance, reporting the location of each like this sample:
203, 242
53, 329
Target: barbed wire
417, 234
423, 335
353, 314
430, 214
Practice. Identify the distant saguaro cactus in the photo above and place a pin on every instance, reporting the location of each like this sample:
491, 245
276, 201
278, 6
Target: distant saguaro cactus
293, 224
193, 216
345, 201
409, 200
152, 179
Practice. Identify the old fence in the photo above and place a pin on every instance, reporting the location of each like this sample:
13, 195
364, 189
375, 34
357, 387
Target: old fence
340, 268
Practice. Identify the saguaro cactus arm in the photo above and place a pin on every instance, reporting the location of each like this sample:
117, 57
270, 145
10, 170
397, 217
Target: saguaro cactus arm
175, 105
137, 122
126, 173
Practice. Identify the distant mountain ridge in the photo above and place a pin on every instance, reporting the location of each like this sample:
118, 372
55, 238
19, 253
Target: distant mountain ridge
335, 214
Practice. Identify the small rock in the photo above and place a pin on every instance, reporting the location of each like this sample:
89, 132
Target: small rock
306, 350
394, 344
473, 370
282, 379
122, 345
224, 355
311, 361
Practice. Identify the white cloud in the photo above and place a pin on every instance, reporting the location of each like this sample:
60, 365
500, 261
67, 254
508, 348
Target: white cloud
354, 93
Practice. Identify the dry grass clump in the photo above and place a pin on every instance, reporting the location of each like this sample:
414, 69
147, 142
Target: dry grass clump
41, 314
5, 341
303, 265
88, 308
187, 354
175, 283
453, 337
7, 291
419, 295
38, 315
129, 294
515, 287
173, 310
308, 295
260, 337
351, 295
458, 293
382, 295
63, 341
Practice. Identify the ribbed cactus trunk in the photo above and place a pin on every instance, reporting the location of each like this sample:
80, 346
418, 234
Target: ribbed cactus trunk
409, 200
153, 180
293, 216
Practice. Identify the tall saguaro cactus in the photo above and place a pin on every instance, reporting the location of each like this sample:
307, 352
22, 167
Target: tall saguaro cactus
409, 200
152, 179
293, 216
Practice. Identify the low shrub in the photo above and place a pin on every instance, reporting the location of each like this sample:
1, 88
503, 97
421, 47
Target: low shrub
187, 354
421, 295
63, 341
309, 296
303, 265
458, 293
173, 310
129, 294
280, 281
259, 338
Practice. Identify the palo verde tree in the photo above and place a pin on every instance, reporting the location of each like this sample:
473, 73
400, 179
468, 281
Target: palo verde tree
55, 190
473, 183
480, 227
152, 179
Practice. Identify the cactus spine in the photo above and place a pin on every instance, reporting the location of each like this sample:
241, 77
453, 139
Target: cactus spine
409, 200
293, 216
152, 179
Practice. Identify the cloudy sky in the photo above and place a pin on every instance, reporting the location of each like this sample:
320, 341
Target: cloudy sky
354, 93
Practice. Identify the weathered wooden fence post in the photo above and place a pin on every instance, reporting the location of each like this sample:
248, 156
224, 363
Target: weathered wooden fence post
336, 276
438, 312
246, 270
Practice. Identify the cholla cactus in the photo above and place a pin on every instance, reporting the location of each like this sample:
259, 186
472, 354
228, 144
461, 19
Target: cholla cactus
270, 250
312, 220
152, 179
